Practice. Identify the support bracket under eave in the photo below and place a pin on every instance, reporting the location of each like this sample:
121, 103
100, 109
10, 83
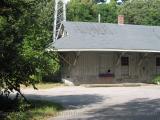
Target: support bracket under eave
119, 58
76, 58
141, 60
64, 59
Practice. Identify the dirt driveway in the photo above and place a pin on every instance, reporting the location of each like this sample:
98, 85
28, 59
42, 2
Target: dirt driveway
103, 103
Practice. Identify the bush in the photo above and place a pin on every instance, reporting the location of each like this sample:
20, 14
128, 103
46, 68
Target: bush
53, 78
8, 104
156, 80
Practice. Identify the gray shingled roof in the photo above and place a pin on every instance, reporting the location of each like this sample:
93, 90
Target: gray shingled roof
104, 36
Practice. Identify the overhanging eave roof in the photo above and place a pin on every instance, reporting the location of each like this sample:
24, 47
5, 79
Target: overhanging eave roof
86, 36
103, 50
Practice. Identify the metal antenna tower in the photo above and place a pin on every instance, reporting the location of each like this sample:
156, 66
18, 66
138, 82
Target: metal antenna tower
59, 16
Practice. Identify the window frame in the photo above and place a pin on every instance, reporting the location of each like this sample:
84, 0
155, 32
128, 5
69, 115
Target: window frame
125, 61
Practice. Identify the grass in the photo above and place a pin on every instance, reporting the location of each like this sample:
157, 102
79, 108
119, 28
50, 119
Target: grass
39, 110
45, 85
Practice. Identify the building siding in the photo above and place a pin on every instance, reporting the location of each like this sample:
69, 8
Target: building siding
85, 68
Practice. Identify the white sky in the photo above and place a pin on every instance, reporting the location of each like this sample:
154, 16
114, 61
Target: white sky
66, 1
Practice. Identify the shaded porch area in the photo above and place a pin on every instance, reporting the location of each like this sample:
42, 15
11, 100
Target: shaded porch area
109, 67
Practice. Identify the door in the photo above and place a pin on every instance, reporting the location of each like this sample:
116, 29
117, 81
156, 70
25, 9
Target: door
125, 66
157, 65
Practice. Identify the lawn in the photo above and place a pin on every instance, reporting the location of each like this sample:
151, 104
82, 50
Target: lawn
39, 110
45, 85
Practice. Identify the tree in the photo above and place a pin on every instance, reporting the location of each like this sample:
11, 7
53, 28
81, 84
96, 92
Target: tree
108, 12
88, 10
141, 12
25, 30
79, 11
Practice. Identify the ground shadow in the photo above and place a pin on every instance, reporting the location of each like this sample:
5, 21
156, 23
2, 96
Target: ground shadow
70, 101
138, 109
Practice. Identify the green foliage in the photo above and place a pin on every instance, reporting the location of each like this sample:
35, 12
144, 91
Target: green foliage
9, 106
18, 109
46, 85
25, 30
141, 12
38, 110
108, 12
17, 104
78, 11
87, 10
156, 80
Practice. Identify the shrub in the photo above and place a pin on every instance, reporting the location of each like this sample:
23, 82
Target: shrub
8, 104
156, 80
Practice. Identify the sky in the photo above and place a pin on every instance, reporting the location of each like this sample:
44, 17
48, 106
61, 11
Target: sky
66, 1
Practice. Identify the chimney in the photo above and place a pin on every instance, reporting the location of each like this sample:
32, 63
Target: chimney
120, 19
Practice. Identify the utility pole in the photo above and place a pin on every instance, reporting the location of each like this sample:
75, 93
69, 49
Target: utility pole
59, 16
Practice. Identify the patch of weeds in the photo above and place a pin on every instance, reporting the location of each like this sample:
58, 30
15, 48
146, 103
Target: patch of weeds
45, 85
39, 110
20, 110
156, 80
